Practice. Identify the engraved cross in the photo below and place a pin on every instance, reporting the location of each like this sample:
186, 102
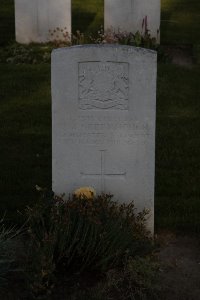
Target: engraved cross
102, 173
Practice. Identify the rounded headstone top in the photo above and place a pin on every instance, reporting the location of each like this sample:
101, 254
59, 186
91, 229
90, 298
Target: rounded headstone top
130, 49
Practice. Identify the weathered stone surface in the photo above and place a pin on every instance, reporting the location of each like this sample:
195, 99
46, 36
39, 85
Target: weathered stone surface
34, 19
103, 111
128, 15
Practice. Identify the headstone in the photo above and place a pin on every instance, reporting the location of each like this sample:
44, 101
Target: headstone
128, 15
34, 19
103, 112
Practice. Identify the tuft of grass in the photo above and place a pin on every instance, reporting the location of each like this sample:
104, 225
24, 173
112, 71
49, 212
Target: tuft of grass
8, 243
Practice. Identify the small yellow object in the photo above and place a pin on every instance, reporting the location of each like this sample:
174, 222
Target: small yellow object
85, 192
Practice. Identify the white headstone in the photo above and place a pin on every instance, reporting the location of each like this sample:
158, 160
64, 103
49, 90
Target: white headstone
34, 19
103, 111
128, 15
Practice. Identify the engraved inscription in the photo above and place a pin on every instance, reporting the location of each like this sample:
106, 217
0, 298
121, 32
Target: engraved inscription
103, 85
102, 174
93, 132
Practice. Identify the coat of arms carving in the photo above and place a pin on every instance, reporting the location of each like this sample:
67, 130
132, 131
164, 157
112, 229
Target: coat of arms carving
103, 85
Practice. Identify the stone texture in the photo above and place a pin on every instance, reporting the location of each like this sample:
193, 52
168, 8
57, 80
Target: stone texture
103, 112
128, 15
34, 19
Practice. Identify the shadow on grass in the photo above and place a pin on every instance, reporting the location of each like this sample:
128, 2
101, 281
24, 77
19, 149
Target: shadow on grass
25, 133
7, 21
87, 16
82, 21
180, 22
177, 204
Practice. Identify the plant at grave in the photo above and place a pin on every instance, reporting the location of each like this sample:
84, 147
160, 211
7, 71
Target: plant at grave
61, 37
8, 244
137, 279
78, 38
81, 234
110, 36
26, 54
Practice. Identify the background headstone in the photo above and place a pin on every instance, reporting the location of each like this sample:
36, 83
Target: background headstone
34, 19
128, 15
103, 112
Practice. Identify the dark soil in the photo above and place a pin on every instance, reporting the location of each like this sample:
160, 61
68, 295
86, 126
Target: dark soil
180, 267
180, 55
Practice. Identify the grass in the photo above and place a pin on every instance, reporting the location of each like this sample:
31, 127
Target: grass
177, 148
25, 120
7, 21
87, 15
180, 22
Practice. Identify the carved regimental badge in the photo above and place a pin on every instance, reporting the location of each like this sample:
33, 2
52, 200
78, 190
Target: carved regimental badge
103, 85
